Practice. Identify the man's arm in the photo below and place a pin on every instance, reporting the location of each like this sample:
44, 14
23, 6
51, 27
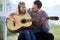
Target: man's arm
45, 24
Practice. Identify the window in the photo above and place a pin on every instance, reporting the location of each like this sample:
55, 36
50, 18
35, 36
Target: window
0, 5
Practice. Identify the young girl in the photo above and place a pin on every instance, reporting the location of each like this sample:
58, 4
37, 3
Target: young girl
22, 11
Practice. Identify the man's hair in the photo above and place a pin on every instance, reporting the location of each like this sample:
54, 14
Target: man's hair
38, 3
19, 5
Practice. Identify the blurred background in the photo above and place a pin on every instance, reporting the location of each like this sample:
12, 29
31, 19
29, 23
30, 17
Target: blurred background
51, 7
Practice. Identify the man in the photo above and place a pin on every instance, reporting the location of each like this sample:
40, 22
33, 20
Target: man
40, 27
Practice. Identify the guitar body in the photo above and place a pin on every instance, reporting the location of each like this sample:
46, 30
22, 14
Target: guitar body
20, 23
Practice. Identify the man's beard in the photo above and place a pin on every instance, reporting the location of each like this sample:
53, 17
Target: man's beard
35, 11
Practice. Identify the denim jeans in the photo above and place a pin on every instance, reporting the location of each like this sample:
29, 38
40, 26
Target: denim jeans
29, 35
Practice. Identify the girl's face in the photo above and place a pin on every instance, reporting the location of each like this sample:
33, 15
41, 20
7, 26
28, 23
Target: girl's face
22, 8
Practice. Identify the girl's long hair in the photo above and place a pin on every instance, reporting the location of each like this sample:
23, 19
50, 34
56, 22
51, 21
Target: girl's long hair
18, 7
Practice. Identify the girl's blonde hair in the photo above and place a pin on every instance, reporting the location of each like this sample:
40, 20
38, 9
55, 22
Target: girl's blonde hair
18, 7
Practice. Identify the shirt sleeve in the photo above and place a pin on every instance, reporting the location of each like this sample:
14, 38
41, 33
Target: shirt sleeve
45, 27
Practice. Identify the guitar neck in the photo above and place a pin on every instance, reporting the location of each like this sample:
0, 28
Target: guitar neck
51, 18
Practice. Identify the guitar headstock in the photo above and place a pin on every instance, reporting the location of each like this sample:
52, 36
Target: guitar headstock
53, 18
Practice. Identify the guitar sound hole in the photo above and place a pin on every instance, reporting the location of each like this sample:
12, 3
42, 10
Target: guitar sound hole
23, 21
14, 23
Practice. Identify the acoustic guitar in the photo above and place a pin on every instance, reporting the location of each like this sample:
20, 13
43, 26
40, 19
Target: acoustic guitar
24, 21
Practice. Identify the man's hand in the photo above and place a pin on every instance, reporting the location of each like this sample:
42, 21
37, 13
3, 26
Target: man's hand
44, 20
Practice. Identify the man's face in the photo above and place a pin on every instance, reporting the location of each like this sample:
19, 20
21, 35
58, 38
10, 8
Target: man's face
35, 8
23, 8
